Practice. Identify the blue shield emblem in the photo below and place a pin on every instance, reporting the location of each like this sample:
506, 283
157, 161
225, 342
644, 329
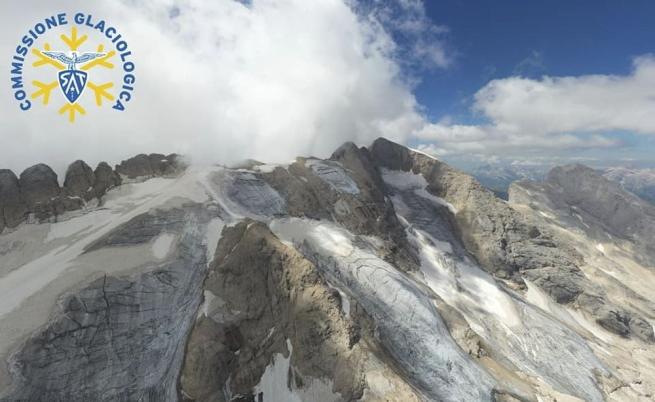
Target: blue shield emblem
72, 83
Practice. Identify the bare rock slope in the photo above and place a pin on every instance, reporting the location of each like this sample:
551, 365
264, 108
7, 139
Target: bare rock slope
378, 274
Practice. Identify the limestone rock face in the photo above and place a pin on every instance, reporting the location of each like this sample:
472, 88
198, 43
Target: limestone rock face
348, 189
104, 179
280, 305
79, 181
505, 242
578, 191
496, 234
151, 165
12, 208
37, 192
581, 199
379, 274
38, 185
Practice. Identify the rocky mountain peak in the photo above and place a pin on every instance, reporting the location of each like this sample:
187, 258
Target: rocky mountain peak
38, 185
579, 193
378, 274
79, 180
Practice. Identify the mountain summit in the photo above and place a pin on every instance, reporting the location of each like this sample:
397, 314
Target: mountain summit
378, 274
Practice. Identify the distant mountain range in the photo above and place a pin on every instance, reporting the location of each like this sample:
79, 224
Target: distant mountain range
499, 176
638, 181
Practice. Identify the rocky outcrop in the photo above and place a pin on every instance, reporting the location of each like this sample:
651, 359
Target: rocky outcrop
378, 274
105, 179
12, 209
38, 186
581, 199
491, 230
264, 299
505, 243
151, 165
348, 189
42, 195
578, 192
640, 182
79, 181
37, 193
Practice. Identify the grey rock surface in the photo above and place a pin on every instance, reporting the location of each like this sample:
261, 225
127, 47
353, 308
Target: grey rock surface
274, 295
318, 193
38, 185
12, 208
37, 191
577, 192
151, 165
640, 182
503, 241
490, 229
378, 274
105, 179
79, 181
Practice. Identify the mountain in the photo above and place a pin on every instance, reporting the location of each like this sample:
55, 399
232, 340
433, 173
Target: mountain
638, 181
499, 176
378, 274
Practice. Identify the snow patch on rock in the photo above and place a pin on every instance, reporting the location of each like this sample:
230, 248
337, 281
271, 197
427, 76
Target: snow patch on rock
274, 386
162, 245
333, 174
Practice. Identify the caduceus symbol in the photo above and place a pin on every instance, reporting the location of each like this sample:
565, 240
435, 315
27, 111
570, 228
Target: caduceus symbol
71, 80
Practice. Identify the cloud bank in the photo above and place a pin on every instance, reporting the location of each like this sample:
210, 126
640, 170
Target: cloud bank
552, 113
227, 80
222, 81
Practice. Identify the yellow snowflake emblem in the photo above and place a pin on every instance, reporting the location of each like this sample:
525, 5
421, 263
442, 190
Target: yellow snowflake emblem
44, 58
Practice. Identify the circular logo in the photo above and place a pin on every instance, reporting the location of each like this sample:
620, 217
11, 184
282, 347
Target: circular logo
73, 63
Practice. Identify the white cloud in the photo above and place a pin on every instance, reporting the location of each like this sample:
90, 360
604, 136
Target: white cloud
224, 80
406, 21
555, 113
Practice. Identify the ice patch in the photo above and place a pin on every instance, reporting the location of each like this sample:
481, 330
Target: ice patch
333, 174
345, 302
274, 386
244, 194
208, 297
546, 215
459, 283
535, 343
121, 204
214, 230
161, 247
79, 225
408, 323
600, 248
404, 181
423, 153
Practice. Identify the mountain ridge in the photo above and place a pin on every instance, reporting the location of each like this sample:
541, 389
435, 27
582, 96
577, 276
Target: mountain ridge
379, 273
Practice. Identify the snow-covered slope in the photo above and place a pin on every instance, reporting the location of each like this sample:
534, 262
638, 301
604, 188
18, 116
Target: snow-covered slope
380, 274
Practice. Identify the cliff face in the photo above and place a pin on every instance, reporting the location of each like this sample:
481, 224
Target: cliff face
37, 195
378, 274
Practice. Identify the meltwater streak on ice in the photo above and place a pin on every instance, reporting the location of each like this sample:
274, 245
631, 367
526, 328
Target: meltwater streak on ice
23, 282
534, 342
408, 323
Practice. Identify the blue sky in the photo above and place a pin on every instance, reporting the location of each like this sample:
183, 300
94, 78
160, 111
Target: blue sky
500, 39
